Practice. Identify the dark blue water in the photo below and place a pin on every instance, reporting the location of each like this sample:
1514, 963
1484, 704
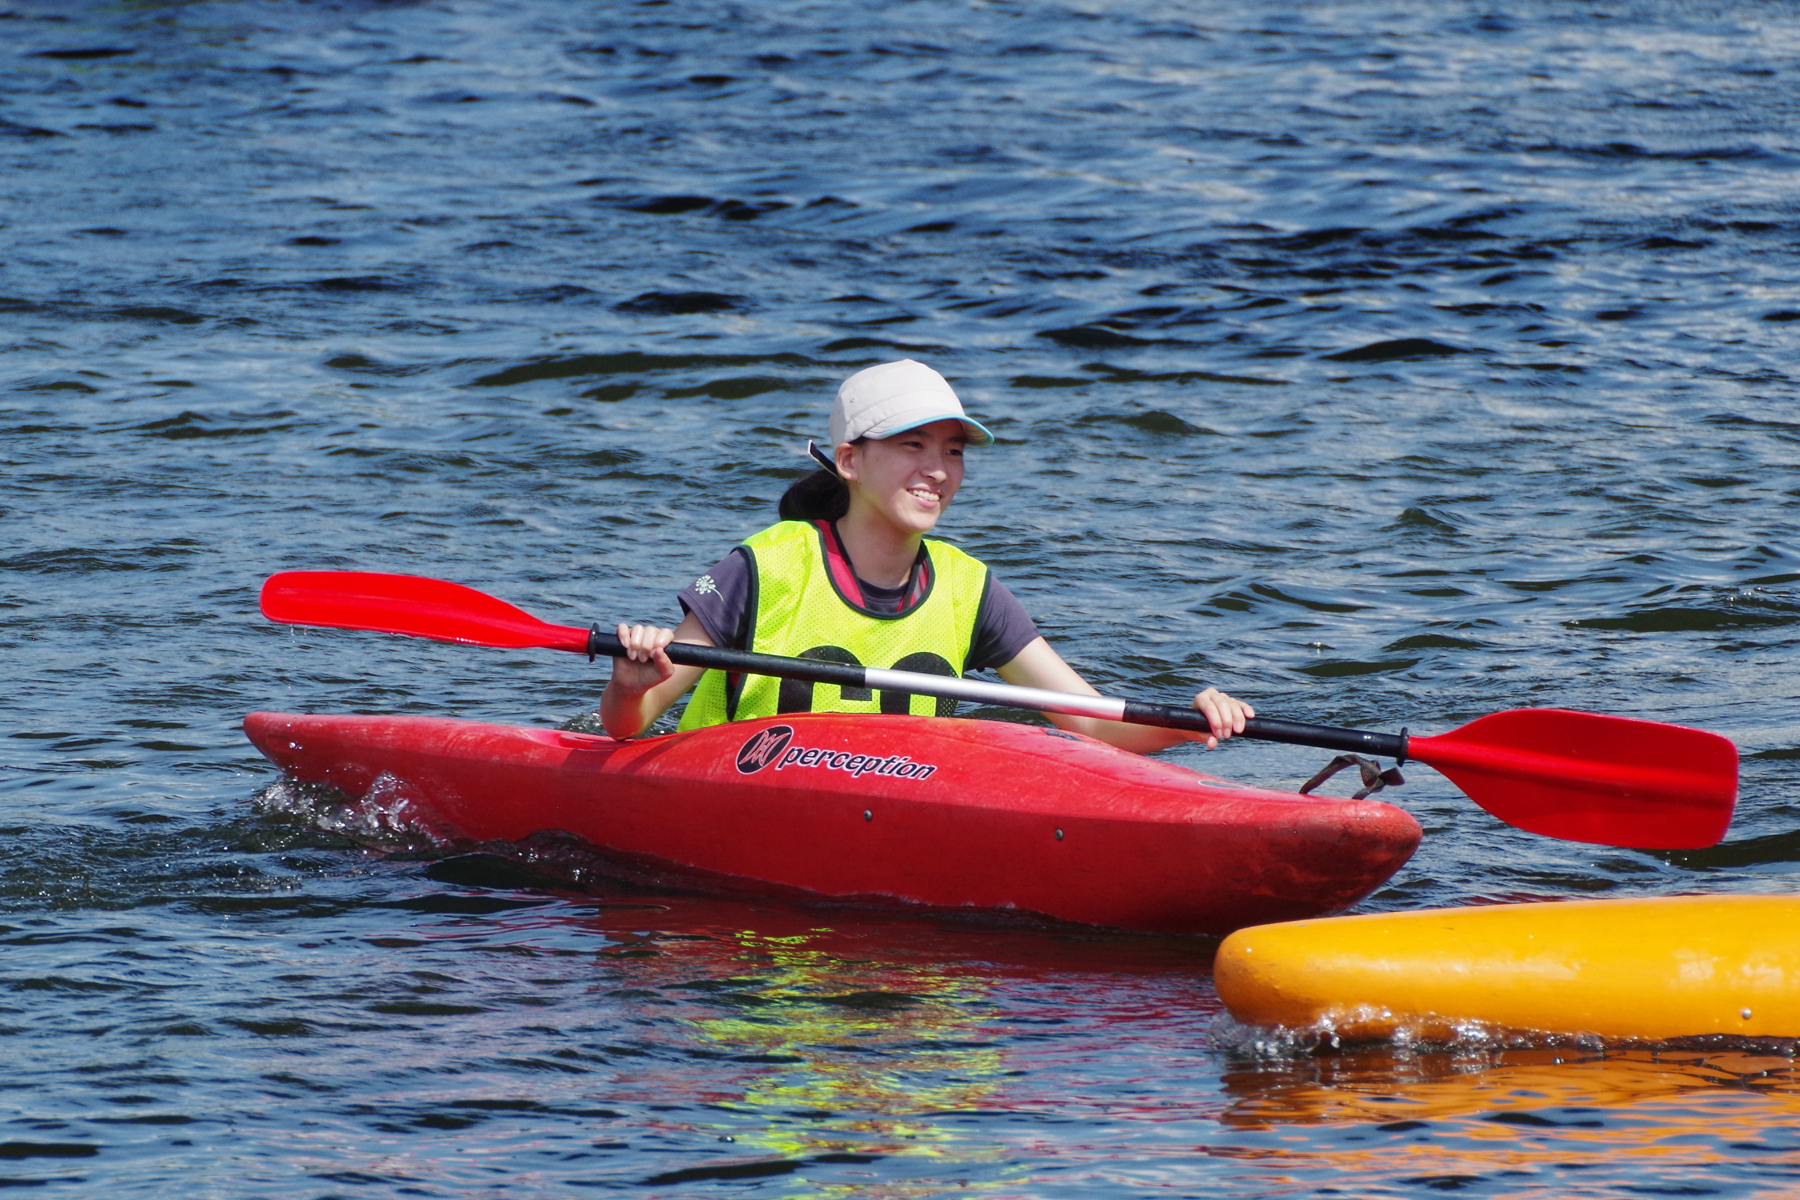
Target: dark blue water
1385, 364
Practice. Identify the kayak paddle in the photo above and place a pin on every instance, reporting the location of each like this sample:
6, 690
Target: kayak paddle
1580, 776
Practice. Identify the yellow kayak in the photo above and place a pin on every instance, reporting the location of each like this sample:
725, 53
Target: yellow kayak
1650, 969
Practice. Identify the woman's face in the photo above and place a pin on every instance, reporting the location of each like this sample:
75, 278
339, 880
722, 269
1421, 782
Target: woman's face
909, 478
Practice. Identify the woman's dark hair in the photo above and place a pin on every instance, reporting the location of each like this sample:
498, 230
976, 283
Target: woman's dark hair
820, 496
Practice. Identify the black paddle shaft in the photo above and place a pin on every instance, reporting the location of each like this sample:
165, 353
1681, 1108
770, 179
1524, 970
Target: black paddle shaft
1294, 733
713, 658
1136, 712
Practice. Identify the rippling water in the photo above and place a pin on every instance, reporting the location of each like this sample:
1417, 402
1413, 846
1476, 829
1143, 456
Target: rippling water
1386, 364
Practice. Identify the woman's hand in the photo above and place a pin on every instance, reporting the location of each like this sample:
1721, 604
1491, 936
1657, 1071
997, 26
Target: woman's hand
1225, 714
647, 663
644, 682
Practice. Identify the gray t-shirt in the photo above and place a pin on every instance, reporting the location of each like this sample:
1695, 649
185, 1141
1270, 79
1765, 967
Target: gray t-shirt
720, 600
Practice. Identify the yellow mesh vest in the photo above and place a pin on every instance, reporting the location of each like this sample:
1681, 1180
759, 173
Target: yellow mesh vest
800, 610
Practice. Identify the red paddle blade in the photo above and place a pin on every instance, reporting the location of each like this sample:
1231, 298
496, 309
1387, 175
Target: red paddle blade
412, 605
1589, 778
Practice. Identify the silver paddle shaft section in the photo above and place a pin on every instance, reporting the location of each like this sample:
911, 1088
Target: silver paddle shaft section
976, 691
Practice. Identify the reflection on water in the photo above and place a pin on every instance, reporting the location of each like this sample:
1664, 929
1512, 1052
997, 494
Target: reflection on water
916, 1036
1515, 1114
847, 1056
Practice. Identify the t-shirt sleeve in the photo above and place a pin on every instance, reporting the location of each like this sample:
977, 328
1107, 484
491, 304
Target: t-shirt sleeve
1002, 629
719, 599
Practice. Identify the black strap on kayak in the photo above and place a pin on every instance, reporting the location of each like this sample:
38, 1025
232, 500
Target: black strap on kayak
1373, 777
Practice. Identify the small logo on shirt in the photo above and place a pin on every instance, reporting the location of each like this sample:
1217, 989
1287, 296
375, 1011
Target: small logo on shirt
706, 587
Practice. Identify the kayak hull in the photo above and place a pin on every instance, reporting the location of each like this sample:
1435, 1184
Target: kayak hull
1641, 969
916, 811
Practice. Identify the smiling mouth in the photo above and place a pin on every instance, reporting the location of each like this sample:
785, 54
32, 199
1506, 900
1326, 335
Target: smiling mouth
923, 496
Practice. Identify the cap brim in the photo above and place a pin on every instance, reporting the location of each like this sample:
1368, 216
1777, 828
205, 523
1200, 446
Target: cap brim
978, 433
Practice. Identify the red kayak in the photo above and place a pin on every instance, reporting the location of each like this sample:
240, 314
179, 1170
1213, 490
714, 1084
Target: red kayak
891, 810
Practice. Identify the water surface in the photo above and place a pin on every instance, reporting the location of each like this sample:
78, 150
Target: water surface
1386, 364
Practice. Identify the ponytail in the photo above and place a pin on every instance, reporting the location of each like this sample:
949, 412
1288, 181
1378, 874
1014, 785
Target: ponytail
821, 496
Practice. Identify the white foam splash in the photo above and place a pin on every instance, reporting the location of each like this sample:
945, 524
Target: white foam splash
1405, 1036
385, 817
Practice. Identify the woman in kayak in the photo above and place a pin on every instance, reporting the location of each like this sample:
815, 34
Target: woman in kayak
848, 576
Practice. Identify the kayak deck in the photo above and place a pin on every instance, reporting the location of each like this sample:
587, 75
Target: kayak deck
891, 810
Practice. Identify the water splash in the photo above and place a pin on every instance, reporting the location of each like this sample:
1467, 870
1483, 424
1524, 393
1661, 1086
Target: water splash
384, 818
1412, 1036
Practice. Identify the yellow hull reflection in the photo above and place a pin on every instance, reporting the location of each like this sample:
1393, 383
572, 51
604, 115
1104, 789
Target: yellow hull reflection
1445, 1117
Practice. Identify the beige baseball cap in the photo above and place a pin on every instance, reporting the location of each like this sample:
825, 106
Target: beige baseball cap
883, 400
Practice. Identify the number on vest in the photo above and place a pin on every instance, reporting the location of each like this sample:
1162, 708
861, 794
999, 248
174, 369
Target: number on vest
796, 695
